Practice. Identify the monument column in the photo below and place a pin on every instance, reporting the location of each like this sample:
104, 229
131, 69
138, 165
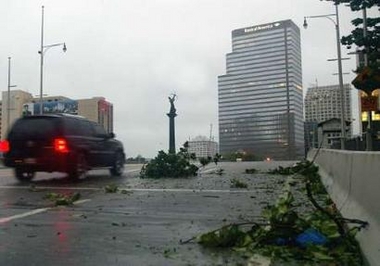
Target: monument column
172, 114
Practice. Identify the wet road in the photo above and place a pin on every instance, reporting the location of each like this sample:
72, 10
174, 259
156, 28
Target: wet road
142, 224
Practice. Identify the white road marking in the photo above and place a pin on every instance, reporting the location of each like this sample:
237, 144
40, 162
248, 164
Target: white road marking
81, 201
18, 216
187, 190
139, 189
208, 170
132, 171
33, 212
38, 188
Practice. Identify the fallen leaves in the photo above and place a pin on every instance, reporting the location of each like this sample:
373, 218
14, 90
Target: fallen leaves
236, 183
62, 199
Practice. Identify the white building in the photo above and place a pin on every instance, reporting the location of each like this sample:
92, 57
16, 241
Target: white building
323, 103
203, 147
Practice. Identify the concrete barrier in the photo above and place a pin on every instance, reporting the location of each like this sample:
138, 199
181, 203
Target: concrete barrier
352, 179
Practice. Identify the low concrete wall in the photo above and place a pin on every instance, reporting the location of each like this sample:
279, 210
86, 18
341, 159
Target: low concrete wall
352, 179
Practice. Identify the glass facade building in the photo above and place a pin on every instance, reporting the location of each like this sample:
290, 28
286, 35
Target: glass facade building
260, 96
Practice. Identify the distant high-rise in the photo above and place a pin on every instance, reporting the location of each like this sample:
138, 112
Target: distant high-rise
323, 103
203, 147
260, 96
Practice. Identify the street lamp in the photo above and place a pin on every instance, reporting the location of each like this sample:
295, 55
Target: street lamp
340, 74
42, 52
9, 93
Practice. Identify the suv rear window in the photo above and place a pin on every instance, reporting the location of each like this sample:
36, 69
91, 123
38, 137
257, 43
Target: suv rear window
38, 128
77, 127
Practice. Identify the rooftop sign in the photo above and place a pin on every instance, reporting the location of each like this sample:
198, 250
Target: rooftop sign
263, 27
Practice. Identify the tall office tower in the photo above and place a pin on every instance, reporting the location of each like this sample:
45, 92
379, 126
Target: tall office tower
323, 103
260, 96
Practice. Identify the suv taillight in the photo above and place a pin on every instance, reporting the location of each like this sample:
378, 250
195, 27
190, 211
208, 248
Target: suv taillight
4, 146
60, 145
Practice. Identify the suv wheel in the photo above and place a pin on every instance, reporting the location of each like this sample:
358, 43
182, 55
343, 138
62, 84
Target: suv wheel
117, 168
23, 175
79, 167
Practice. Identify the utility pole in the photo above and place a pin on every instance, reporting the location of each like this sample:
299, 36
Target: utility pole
341, 87
369, 144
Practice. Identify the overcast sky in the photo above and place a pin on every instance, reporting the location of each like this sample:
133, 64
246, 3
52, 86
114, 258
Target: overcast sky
136, 53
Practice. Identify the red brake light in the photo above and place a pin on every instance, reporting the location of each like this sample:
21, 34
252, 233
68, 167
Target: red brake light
4, 146
60, 145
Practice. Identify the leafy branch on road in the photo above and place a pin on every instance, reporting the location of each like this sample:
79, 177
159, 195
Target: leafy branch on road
236, 183
112, 188
292, 233
219, 171
170, 165
175, 165
204, 161
61, 199
251, 171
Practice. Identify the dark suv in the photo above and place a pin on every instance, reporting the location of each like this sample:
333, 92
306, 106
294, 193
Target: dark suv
60, 143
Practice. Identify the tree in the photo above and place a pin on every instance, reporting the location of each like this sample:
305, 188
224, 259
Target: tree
369, 76
170, 165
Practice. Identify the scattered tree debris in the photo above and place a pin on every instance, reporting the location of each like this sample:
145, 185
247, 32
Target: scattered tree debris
124, 191
211, 196
169, 252
32, 187
219, 171
170, 165
291, 234
112, 188
236, 183
251, 171
205, 161
60, 199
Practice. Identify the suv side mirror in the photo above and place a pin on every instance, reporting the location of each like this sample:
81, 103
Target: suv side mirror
111, 135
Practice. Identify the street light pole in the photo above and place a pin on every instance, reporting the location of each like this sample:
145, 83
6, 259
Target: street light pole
9, 93
340, 73
41, 59
42, 52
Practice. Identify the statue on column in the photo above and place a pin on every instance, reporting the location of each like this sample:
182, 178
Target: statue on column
172, 114
172, 107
